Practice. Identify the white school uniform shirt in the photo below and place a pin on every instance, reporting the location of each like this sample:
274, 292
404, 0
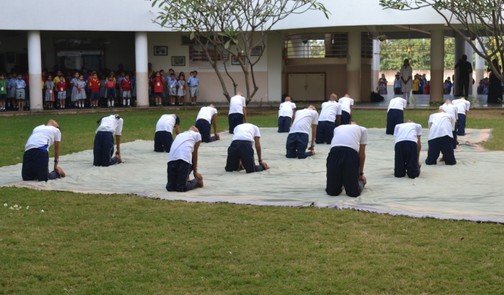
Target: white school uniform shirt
246, 131
112, 123
303, 121
183, 146
43, 136
286, 109
166, 123
346, 103
330, 109
451, 110
408, 131
236, 104
193, 81
462, 105
441, 124
206, 113
397, 103
350, 135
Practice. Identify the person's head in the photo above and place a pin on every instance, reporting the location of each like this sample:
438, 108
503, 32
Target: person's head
383, 75
20, 77
158, 74
195, 73
406, 62
53, 123
312, 107
81, 77
1, 76
76, 75
181, 75
287, 98
126, 77
211, 105
49, 78
464, 57
333, 97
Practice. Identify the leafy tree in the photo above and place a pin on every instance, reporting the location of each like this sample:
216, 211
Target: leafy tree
226, 29
393, 53
480, 21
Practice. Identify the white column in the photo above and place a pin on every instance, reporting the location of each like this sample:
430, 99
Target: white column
375, 66
141, 63
479, 69
437, 66
354, 65
35, 70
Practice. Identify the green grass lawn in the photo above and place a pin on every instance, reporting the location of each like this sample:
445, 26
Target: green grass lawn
121, 244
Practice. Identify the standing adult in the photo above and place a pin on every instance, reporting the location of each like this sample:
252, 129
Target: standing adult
163, 137
237, 111
285, 114
494, 85
440, 138
240, 152
464, 70
207, 117
330, 117
407, 149
346, 103
406, 80
306, 120
395, 113
36, 154
183, 159
345, 162
108, 128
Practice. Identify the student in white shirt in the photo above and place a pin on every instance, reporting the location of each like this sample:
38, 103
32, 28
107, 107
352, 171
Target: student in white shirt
330, 117
183, 159
207, 118
407, 149
237, 111
285, 113
463, 106
36, 155
346, 109
395, 113
345, 162
240, 153
441, 138
449, 108
109, 127
297, 141
163, 136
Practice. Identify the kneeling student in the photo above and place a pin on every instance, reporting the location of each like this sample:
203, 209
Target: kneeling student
240, 152
407, 149
182, 159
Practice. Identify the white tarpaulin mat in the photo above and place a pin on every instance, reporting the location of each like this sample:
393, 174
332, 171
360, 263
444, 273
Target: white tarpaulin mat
470, 190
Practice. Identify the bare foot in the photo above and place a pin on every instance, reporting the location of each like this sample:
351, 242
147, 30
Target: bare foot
265, 165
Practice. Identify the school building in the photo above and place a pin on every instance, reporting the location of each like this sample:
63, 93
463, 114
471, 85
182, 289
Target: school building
306, 55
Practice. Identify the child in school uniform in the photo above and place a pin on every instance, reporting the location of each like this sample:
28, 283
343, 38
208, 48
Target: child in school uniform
49, 92
61, 88
81, 92
158, 85
3, 92
182, 88
110, 91
94, 87
20, 92
126, 90
172, 87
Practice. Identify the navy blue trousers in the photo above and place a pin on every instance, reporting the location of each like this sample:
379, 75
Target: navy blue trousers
343, 171
234, 120
284, 124
346, 118
296, 145
394, 117
205, 130
325, 132
241, 151
178, 177
406, 159
104, 149
35, 165
441, 145
461, 124
163, 141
